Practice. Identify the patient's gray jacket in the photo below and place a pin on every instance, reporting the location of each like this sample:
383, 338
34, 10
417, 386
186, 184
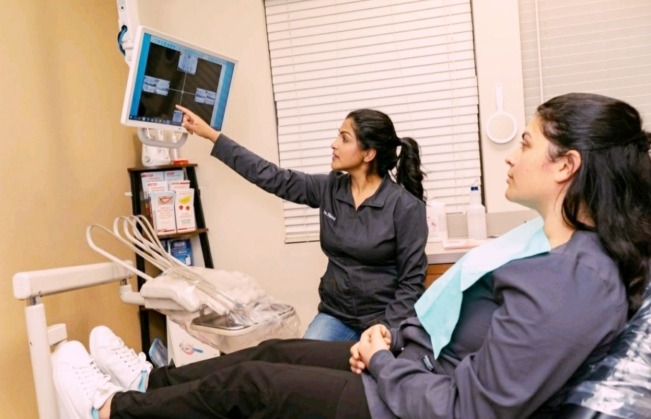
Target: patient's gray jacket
525, 331
376, 252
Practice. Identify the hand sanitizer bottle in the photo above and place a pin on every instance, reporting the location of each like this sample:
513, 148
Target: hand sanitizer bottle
476, 215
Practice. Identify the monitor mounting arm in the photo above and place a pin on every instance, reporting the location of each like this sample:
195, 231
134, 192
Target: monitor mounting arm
128, 21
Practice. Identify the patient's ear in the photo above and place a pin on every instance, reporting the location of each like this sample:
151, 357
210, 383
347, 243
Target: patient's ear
567, 166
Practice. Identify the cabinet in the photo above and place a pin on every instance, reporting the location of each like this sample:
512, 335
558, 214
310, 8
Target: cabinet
138, 208
434, 271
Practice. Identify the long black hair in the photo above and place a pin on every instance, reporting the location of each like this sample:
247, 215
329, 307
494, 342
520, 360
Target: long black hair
374, 129
613, 183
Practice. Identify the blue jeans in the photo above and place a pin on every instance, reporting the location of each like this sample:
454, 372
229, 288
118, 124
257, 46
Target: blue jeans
326, 327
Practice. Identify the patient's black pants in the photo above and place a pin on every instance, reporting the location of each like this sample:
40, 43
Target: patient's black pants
277, 379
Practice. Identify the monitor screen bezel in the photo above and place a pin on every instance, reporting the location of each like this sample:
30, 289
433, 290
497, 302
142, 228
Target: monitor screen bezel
138, 61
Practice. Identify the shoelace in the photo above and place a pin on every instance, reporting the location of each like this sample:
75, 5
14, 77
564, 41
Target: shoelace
91, 378
128, 356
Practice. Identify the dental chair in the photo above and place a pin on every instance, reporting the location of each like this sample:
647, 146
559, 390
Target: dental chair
227, 310
619, 386
32, 287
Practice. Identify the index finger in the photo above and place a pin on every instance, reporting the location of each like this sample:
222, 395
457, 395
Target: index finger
184, 109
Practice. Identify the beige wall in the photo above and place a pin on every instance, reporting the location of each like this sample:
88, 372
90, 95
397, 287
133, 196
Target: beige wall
63, 167
66, 167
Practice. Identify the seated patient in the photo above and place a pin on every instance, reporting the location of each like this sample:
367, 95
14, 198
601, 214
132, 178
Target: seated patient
525, 330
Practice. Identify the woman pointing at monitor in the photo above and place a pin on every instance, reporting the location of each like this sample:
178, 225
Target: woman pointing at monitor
373, 229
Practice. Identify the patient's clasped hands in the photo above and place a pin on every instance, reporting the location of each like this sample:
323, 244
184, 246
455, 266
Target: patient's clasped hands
375, 338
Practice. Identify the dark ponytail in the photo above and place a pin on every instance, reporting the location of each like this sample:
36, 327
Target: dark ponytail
409, 173
613, 183
375, 129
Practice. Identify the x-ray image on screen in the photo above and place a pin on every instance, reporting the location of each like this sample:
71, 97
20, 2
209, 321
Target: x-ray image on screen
168, 72
167, 65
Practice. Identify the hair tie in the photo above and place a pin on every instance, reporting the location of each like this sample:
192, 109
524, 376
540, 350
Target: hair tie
642, 138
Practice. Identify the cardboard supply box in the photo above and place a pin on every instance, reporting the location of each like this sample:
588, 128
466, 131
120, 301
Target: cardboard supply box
157, 181
180, 249
156, 186
152, 187
185, 219
147, 177
175, 185
174, 175
162, 212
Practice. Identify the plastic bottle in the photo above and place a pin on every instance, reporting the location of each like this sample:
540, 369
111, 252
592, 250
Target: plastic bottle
437, 221
476, 215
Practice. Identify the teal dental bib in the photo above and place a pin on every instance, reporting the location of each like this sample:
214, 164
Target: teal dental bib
438, 308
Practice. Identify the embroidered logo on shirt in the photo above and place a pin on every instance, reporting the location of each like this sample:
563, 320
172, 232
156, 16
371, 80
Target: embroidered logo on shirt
327, 214
428, 363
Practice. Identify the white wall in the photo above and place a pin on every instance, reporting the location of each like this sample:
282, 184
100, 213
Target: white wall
246, 224
63, 167
498, 60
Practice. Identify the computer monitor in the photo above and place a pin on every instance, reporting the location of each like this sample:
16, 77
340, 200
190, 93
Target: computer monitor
166, 71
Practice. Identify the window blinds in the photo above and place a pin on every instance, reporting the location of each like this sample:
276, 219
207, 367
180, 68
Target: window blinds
412, 59
595, 46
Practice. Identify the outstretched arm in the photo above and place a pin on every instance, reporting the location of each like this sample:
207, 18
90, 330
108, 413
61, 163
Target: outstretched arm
291, 185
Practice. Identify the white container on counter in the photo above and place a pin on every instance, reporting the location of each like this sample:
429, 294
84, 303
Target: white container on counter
476, 215
437, 221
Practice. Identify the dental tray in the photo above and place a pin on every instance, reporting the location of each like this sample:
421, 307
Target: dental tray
226, 310
228, 334
228, 324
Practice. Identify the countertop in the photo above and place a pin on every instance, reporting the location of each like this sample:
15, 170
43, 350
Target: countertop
497, 224
437, 254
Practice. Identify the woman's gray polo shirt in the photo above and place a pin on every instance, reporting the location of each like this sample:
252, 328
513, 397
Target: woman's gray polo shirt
376, 253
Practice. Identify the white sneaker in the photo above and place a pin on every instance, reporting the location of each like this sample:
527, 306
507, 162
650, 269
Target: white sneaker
81, 386
126, 369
